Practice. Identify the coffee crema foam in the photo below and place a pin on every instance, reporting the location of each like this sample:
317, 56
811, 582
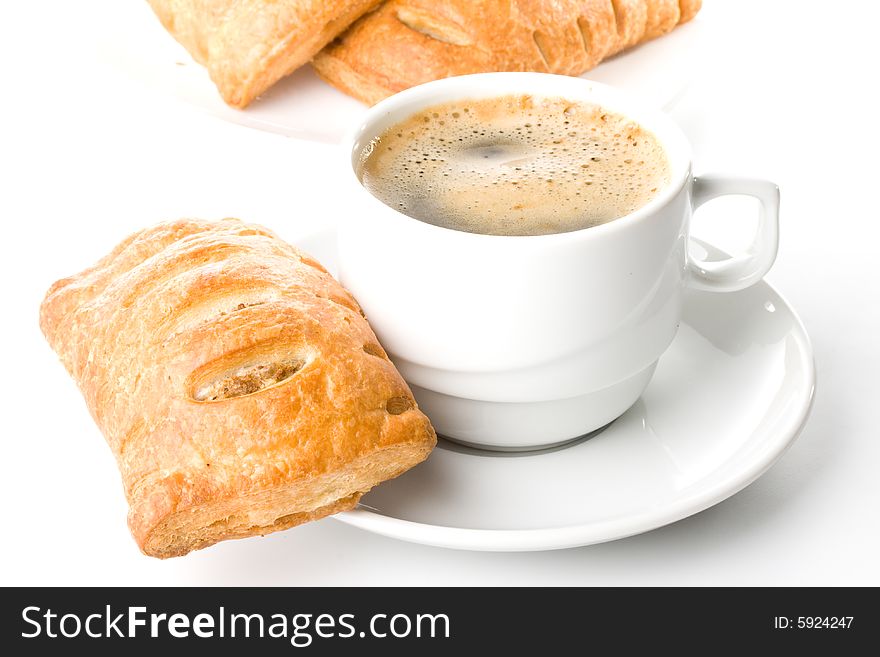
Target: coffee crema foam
515, 165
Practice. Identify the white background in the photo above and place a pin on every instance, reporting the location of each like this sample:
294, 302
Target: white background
782, 90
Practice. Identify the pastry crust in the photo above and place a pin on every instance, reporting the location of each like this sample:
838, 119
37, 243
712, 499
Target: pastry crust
237, 383
248, 45
408, 42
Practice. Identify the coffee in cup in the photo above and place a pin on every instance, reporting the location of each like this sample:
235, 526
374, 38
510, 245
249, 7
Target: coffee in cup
515, 165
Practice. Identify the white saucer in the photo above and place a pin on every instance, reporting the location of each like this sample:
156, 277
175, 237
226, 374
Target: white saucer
305, 107
730, 395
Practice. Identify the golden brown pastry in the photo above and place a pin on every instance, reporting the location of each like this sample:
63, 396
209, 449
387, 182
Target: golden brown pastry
237, 383
248, 45
408, 42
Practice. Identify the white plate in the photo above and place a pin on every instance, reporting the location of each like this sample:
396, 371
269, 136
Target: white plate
730, 395
303, 106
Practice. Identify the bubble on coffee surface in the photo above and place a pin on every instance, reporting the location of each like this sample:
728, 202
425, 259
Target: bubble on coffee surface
515, 165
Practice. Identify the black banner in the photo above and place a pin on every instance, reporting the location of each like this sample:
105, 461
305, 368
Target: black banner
434, 621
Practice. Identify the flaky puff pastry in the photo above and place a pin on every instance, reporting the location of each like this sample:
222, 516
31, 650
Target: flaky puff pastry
408, 42
248, 45
238, 385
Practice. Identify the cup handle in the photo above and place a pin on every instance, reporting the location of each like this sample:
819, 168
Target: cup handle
741, 271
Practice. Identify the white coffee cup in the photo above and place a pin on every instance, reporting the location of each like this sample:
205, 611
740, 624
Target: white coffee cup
513, 342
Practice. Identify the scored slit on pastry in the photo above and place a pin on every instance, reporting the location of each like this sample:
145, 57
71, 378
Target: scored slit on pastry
408, 42
236, 382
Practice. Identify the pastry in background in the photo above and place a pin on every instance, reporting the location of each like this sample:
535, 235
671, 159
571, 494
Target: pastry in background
408, 42
238, 385
248, 45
